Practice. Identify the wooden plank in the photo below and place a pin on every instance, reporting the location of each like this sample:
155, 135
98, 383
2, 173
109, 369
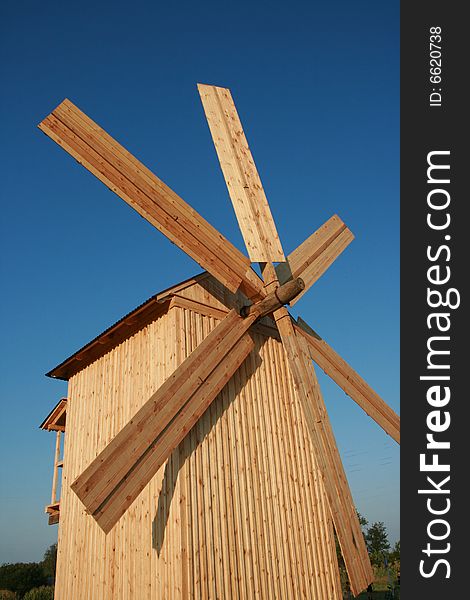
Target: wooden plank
235, 566
115, 177
241, 176
340, 474
350, 538
191, 342
316, 269
246, 512
292, 567
350, 381
181, 352
314, 256
257, 534
216, 517
199, 307
127, 447
54, 498
206, 430
190, 221
308, 511
54, 518
149, 196
221, 508
260, 451
300, 258
300, 541
356, 557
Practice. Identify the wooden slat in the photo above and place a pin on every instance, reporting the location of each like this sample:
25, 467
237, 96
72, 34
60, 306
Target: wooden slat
325, 567
127, 448
56, 468
241, 176
350, 381
293, 565
339, 496
199, 307
150, 197
346, 525
314, 256
134, 482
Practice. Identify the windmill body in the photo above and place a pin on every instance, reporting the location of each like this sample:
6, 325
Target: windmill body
237, 511
199, 459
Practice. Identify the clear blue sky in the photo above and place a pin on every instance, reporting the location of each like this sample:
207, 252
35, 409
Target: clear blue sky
317, 88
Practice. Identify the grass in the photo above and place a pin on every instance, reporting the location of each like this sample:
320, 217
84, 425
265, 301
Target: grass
378, 595
382, 595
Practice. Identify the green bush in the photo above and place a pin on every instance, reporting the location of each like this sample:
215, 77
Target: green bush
40, 593
49, 561
21, 577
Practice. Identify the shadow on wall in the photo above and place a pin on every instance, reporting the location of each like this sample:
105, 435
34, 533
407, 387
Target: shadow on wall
192, 441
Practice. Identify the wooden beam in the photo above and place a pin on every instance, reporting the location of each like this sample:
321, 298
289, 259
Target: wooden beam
275, 299
125, 452
356, 557
350, 381
338, 494
241, 176
314, 256
150, 197
56, 468
337, 490
199, 307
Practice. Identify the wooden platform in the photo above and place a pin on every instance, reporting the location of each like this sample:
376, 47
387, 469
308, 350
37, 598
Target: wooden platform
53, 510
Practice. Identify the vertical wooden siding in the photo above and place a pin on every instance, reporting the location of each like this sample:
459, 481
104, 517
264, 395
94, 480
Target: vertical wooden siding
238, 511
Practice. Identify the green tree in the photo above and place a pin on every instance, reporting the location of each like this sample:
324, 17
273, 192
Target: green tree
21, 577
377, 542
40, 593
49, 561
363, 522
395, 553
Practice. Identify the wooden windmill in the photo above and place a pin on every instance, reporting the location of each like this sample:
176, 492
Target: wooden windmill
122, 468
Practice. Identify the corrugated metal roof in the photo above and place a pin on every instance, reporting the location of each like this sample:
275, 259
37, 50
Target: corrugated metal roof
113, 335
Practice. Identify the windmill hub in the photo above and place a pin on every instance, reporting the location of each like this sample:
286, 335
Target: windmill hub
279, 297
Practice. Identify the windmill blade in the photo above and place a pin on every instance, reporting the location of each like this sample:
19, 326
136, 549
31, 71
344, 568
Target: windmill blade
350, 381
327, 456
359, 562
242, 179
120, 472
151, 198
312, 258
